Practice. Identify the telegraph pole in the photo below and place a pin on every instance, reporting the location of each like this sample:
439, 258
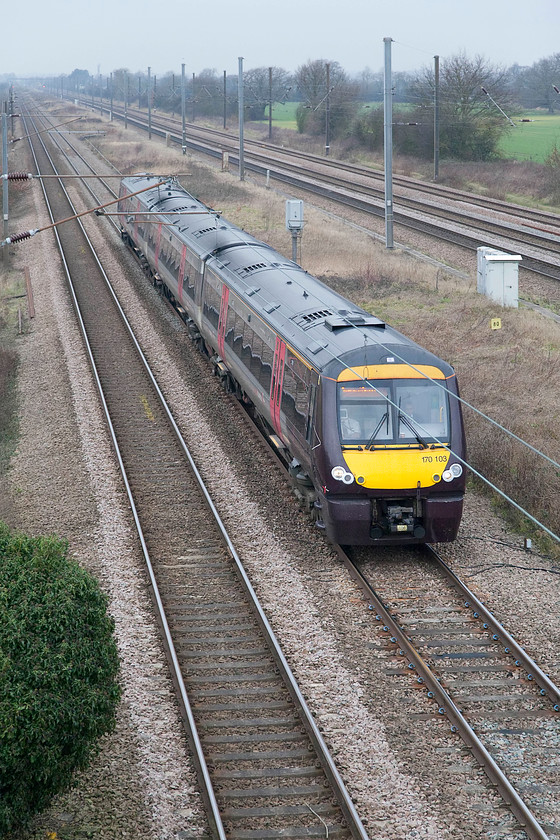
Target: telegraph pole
193, 78
388, 145
241, 119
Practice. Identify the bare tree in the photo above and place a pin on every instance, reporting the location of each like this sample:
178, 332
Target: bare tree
257, 89
535, 84
311, 82
471, 125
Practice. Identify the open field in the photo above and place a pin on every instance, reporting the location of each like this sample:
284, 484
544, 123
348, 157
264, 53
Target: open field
532, 141
528, 141
283, 115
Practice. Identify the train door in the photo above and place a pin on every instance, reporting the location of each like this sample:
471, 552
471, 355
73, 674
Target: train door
276, 384
223, 319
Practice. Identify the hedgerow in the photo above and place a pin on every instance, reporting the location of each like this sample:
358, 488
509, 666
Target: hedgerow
58, 673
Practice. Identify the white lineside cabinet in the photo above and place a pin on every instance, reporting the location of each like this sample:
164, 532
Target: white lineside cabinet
497, 276
294, 214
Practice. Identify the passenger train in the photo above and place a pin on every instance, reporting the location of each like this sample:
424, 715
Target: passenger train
365, 419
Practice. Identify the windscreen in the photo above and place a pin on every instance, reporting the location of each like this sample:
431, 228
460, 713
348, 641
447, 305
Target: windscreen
395, 411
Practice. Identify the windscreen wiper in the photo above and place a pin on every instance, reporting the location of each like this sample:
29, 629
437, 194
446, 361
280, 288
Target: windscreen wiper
375, 432
410, 425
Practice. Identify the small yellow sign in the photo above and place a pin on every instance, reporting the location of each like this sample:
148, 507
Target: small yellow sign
495, 323
147, 410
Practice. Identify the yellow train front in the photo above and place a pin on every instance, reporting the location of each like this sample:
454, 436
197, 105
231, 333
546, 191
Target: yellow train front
391, 448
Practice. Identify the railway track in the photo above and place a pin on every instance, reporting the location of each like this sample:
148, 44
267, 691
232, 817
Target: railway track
495, 697
465, 219
261, 761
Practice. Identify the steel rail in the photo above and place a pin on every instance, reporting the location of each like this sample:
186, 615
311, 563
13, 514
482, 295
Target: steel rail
447, 707
521, 657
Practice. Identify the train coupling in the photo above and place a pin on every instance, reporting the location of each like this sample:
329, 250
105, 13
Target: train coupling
398, 519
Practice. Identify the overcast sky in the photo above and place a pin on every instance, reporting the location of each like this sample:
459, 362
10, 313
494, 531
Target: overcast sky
51, 37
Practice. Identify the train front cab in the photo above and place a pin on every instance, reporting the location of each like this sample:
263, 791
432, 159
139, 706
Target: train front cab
393, 478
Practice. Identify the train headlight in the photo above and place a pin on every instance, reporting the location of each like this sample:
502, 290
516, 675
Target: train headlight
342, 474
454, 471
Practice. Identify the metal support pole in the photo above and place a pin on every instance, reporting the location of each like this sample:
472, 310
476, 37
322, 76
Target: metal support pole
270, 103
125, 99
388, 145
5, 180
12, 107
193, 111
328, 113
111, 116
241, 120
225, 100
294, 245
183, 125
149, 104
436, 117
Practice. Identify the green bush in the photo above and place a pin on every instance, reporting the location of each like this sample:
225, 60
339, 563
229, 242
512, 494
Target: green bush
58, 673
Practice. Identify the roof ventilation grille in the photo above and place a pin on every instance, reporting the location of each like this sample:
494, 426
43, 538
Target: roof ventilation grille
247, 270
310, 318
199, 233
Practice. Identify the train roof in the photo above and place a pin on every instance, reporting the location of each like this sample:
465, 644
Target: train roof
325, 328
